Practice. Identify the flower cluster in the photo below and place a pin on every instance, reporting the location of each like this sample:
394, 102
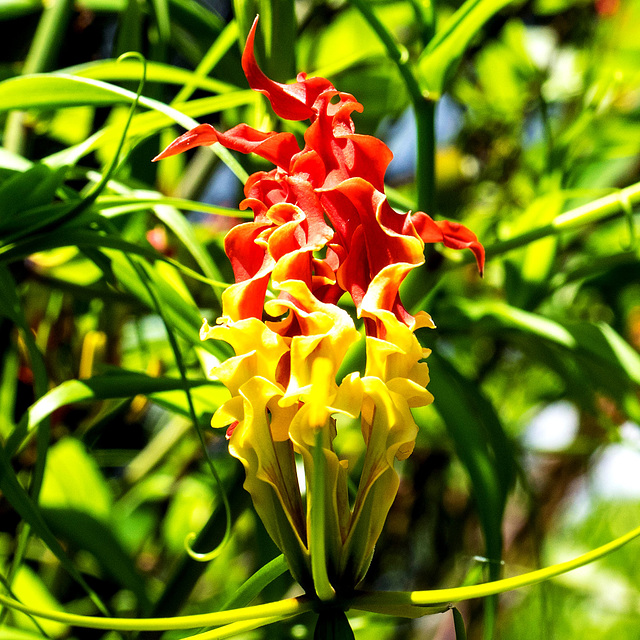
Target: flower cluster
322, 227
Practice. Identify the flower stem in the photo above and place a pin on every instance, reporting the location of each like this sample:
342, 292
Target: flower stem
423, 106
457, 594
426, 155
276, 610
318, 541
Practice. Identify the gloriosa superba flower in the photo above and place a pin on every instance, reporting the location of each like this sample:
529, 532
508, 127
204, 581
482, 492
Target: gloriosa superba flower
322, 227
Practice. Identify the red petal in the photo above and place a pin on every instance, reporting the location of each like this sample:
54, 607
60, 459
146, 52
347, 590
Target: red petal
344, 153
290, 101
453, 234
277, 148
202, 135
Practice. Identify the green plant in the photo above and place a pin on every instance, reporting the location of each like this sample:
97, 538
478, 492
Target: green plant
107, 461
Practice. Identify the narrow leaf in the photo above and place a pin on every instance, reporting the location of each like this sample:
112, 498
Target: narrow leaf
458, 625
257, 582
29, 512
450, 42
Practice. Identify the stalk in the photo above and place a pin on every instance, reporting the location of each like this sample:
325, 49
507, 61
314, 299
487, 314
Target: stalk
612, 205
458, 594
275, 610
423, 107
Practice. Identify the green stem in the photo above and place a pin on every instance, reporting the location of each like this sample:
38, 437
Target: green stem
457, 594
275, 610
426, 156
615, 204
236, 628
318, 537
279, 30
423, 107
399, 55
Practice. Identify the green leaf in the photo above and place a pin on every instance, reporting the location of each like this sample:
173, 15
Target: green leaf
257, 582
13, 161
7, 633
123, 384
188, 511
29, 587
602, 342
48, 91
196, 19
86, 240
30, 513
23, 191
11, 308
599, 357
481, 445
112, 70
84, 531
73, 480
494, 316
186, 234
53, 91
188, 571
8, 391
145, 124
451, 41
181, 314
530, 269
458, 624
206, 399
114, 205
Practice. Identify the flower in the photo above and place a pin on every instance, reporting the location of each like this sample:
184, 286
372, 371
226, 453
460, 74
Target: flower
322, 227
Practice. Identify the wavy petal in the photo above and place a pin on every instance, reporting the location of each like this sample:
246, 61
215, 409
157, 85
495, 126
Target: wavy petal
290, 101
202, 135
452, 234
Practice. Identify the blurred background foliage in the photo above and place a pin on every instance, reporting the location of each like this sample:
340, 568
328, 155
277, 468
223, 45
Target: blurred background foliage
531, 453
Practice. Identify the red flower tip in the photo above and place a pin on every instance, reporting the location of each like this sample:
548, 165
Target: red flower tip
200, 136
457, 236
290, 101
452, 234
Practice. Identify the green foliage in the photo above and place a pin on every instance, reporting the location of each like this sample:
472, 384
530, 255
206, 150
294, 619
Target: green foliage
112, 485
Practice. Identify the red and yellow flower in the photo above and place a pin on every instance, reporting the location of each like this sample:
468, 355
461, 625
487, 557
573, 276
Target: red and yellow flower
322, 227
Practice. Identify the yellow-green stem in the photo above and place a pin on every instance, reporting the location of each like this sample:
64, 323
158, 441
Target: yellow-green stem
280, 609
457, 594
614, 204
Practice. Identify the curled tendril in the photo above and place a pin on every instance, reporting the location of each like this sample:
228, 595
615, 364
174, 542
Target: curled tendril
203, 557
